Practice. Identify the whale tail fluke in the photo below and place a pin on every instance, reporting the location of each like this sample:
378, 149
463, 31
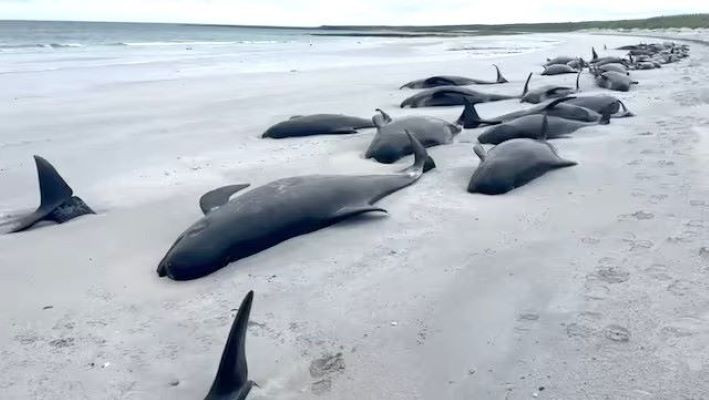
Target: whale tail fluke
232, 376
470, 118
500, 78
57, 202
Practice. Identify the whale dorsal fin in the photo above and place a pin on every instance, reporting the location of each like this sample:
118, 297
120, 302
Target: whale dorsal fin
500, 78
296, 117
52, 187
480, 151
594, 55
53, 192
578, 77
233, 373
218, 197
526, 84
422, 161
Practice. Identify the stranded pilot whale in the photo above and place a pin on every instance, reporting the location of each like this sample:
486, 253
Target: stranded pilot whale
391, 142
546, 92
232, 380
275, 212
317, 124
57, 200
451, 96
447, 80
514, 163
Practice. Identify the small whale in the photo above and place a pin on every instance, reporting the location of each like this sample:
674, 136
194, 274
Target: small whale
448, 80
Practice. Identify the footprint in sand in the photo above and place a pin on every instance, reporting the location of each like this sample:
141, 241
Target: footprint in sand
639, 244
681, 287
612, 275
323, 370
659, 272
617, 333
639, 215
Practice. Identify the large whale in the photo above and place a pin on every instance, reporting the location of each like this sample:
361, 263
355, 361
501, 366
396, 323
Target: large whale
531, 126
546, 92
451, 96
450, 80
317, 124
557, 107
232, 380
57, 200
514, 163
275, 212
391, 141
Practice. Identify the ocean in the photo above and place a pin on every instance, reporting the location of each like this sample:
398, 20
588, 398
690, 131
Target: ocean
165, 51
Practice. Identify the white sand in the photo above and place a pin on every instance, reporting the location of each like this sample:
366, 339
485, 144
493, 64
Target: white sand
451, 296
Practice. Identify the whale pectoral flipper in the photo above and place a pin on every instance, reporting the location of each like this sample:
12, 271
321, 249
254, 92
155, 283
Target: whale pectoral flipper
351, 211
218, 197
232, 375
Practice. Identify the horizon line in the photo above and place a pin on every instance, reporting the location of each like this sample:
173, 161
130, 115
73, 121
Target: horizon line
325, 26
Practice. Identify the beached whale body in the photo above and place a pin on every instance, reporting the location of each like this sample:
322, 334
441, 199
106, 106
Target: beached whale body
617, 67
448, 80
558, 69
557, 107
601, 103
546, 92
391, 141
232, 380
275, 212
559, 60
318, 124
451, 96
512, 164
530, 126
57, 200
615, 81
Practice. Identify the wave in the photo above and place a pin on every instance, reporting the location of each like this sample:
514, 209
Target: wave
39, 46
196, 43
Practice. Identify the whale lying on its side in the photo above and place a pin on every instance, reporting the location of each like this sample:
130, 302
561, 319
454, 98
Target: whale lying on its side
317, 124
391, 141
557, 107
546, 92
275, 212
531, 126
615, 81
57, 200
514, 163
448, 80
601, 103
451, 96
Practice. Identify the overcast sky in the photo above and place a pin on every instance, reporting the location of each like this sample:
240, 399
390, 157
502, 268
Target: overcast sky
340, 12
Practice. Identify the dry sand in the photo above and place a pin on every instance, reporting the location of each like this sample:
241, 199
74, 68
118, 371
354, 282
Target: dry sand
591, 282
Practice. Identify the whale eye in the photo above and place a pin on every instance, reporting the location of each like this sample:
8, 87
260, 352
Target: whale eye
197, 228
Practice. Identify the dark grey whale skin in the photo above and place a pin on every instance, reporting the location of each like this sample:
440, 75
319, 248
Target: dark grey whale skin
272, 213
452, 80
514, 163
391, 142
232, 379
317, 124
530, 127
451, 96
57, 200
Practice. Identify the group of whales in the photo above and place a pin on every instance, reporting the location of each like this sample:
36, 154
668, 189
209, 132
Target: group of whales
235, 228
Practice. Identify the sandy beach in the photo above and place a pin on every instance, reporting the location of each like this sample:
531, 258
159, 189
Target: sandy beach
591, 282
